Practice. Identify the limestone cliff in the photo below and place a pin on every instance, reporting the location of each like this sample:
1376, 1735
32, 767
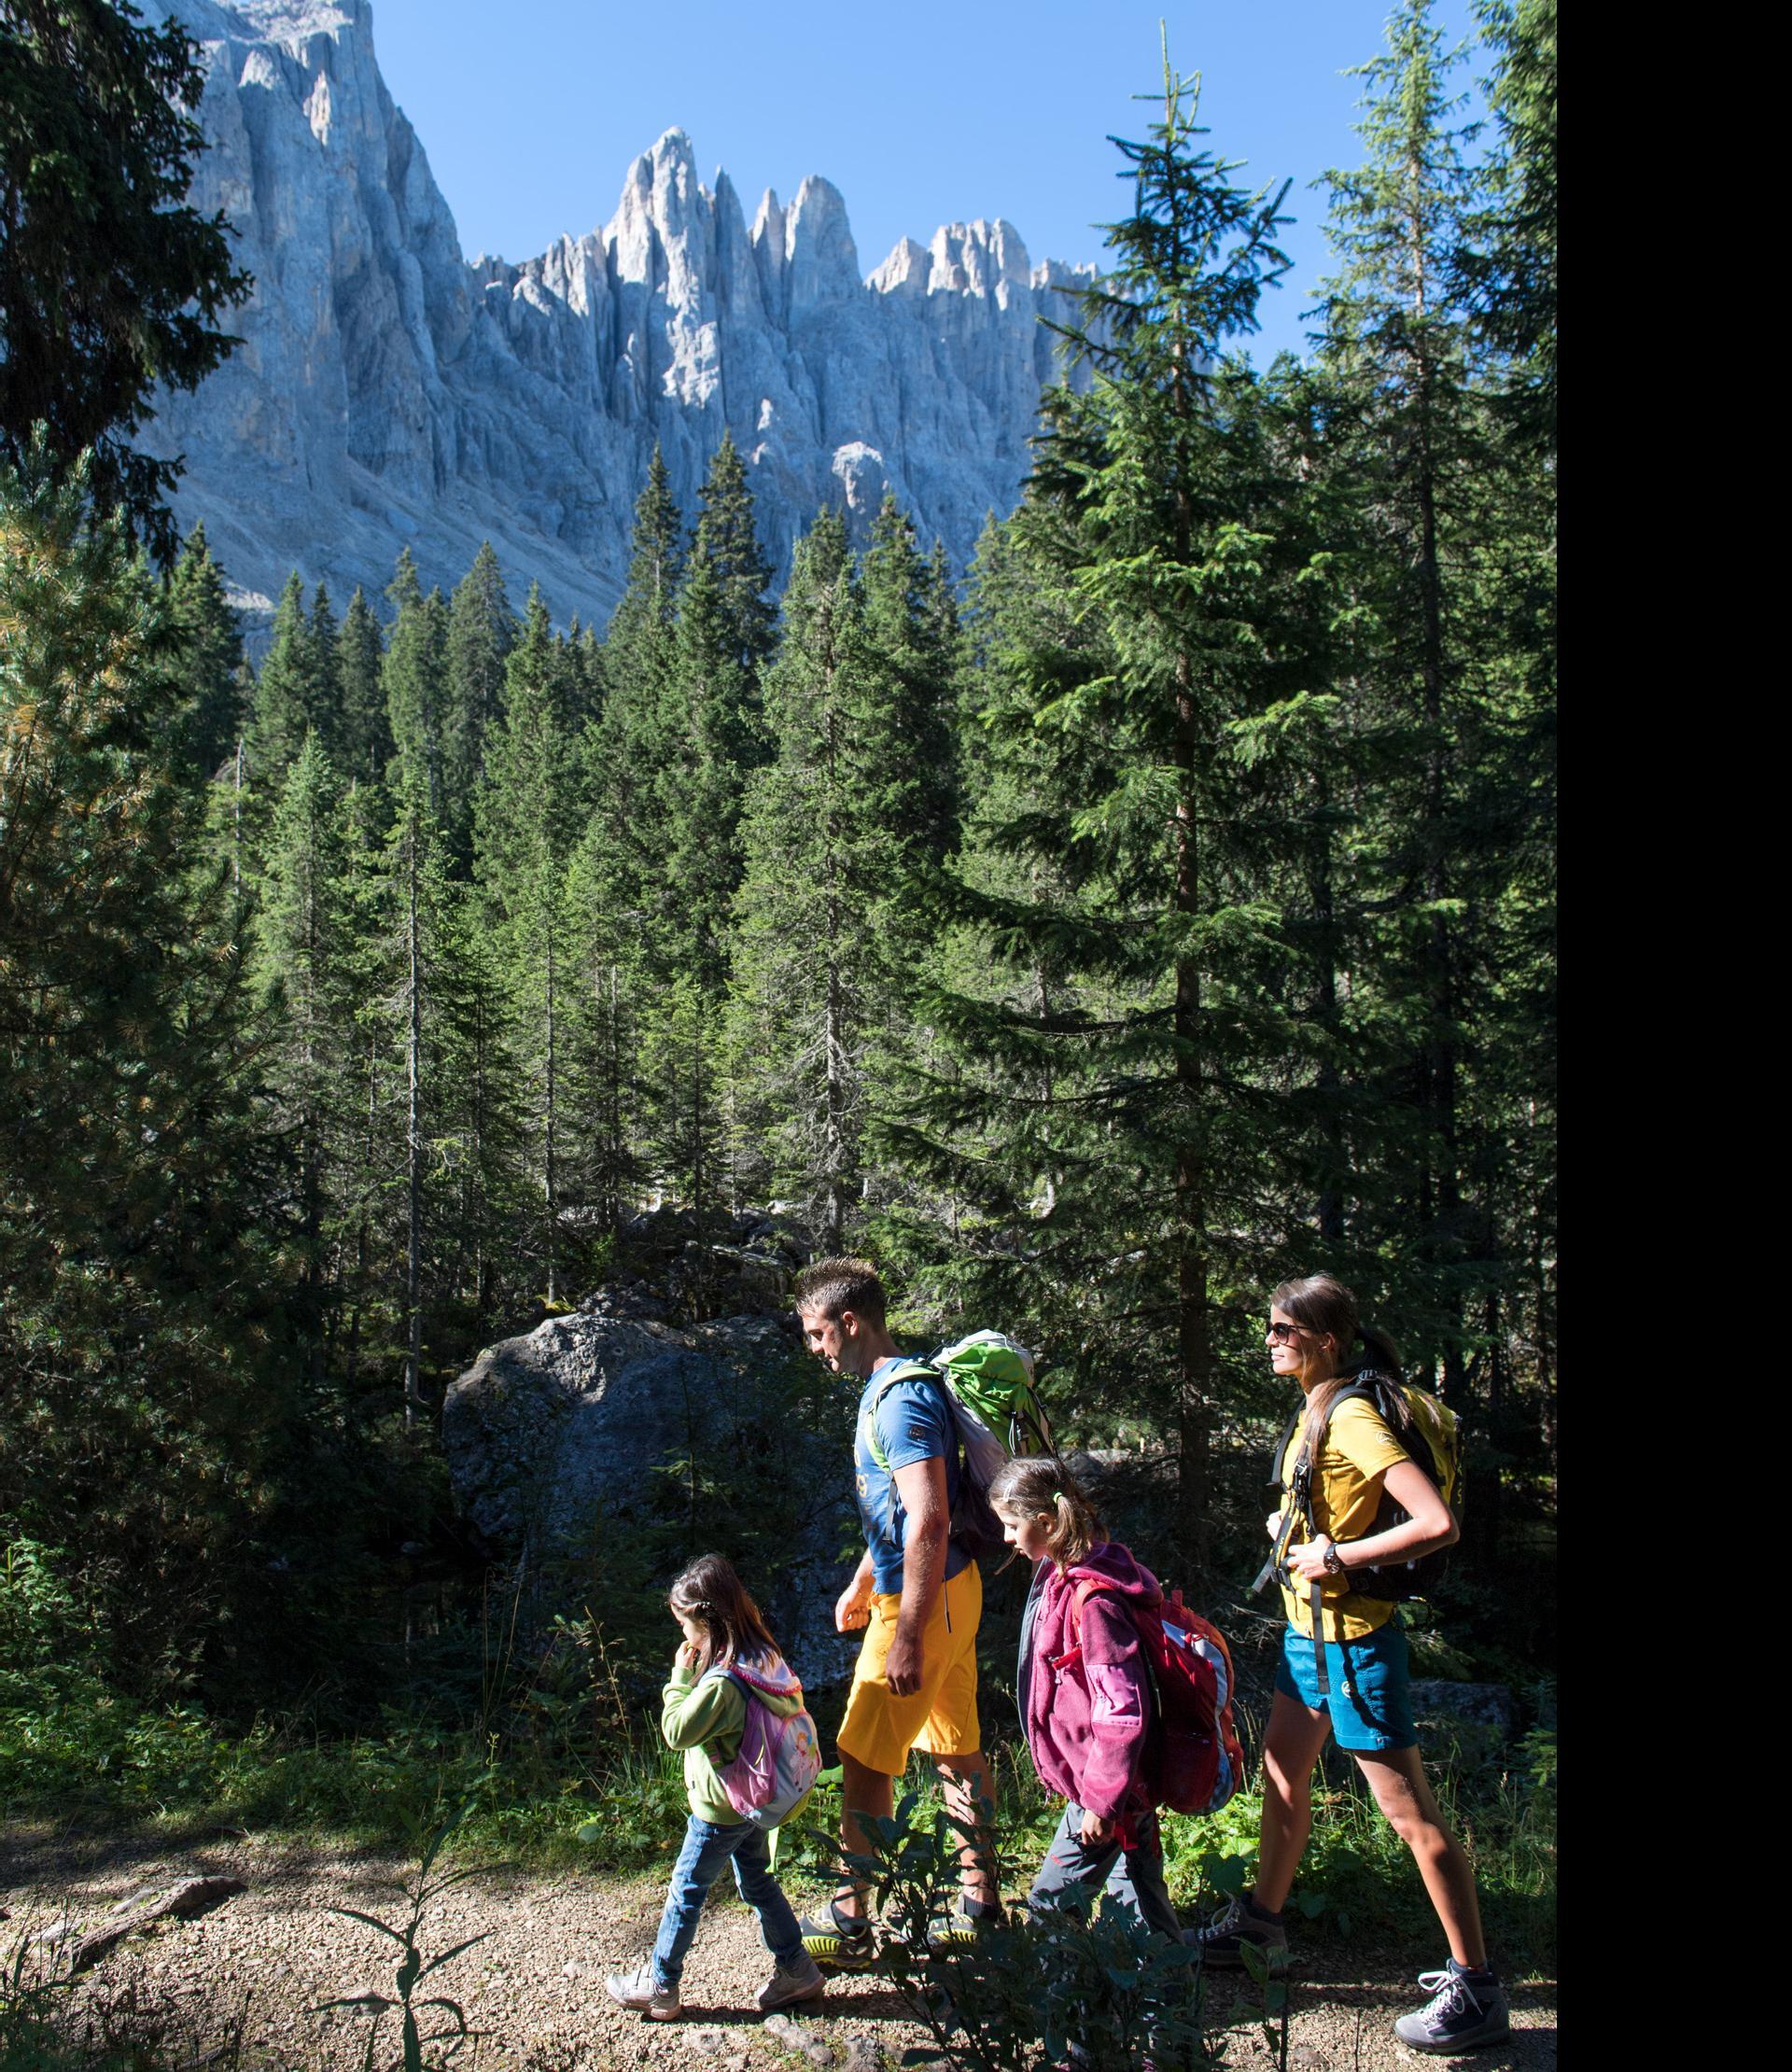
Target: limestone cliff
388, 394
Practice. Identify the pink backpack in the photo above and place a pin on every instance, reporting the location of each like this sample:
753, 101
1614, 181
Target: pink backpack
780, 1757
1193, 1760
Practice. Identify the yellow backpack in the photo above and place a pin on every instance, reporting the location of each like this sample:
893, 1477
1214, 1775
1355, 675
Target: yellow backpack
1429, 1431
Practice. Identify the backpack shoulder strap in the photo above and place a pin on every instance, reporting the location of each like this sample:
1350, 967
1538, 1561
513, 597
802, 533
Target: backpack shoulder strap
1081, 1591
1377, 1389
1279, 1458
1296, 1487
905, 1370
1362, 1391
723, 1673
1087, 1587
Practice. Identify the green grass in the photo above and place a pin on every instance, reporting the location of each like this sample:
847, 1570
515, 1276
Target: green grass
551, 1799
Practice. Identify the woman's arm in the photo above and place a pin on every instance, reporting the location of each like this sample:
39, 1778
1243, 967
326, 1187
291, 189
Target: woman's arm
1429, 1526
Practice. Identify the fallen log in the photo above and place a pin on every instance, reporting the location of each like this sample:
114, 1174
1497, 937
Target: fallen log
184, 1901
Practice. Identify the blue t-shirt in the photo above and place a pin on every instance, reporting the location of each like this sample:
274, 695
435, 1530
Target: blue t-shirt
913, 1423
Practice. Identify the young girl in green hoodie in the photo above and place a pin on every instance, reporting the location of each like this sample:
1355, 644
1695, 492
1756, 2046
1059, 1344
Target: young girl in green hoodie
725, 1642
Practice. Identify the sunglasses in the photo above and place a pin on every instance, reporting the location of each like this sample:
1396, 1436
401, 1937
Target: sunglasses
1285, 1334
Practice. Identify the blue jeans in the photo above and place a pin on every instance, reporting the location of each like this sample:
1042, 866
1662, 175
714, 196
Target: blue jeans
706, 1849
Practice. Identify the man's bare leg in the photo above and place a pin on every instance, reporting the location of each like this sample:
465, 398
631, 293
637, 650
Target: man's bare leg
970, 1801
870, 1793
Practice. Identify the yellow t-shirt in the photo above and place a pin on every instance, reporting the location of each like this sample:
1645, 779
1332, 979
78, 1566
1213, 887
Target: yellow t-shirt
1358, 1452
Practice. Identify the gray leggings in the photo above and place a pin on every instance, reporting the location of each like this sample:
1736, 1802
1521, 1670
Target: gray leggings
1134, 1876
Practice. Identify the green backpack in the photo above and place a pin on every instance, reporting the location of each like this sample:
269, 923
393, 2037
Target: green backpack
988, 1382
991, 1375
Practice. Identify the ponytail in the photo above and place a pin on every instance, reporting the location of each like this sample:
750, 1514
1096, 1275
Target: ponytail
1038, 1486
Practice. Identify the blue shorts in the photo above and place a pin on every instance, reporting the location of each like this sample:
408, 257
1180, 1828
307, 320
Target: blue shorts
1381, 1715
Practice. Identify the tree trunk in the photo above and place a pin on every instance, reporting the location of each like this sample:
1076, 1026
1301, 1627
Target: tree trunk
413, 1148
1194, 1349
550, 1177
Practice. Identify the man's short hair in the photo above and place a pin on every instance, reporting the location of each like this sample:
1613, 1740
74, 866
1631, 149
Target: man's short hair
834, 1285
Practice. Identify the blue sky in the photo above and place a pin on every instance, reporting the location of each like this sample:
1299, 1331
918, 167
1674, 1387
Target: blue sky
920, 113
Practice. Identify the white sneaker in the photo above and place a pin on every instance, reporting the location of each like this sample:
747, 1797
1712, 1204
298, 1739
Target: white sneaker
636, 1990
801, 1980
1465, 2011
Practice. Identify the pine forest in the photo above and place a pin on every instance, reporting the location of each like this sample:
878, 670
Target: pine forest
1096, 937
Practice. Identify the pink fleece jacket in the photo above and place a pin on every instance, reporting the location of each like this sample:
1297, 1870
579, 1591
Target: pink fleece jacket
1088, 1721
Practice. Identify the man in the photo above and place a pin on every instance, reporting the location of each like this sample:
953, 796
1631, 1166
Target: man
918, 1598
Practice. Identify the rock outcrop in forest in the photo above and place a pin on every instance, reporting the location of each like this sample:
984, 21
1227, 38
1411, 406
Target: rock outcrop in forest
389, 394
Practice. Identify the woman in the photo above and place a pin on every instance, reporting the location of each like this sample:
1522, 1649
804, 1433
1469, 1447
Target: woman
1315, 1340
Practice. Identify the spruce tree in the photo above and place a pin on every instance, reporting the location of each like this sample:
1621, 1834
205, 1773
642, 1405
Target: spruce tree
605, 1136
709, 735
420, 904
906, 724
1400, 351
860, 793
527, 820
614, 906
366, 725
304, 966
212, 640
638, 644
807, 957
727, 542
414, 677
1111, 715
111, 284
325, 676
286, 691
482, 630
142, 1333
1508, 265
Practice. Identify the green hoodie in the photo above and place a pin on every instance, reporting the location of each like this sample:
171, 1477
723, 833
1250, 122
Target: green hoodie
706, 1716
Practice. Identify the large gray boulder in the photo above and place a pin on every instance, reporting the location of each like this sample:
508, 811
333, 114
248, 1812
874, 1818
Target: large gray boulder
1441, 1698
389, 394
553, 1441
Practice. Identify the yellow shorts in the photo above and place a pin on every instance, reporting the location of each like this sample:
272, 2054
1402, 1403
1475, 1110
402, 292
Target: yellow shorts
941, 1718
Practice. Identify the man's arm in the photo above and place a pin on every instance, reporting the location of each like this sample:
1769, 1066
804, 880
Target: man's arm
921, 1487
853, 1608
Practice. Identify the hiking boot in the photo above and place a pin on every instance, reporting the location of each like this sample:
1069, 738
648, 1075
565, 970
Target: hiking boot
1237, 1923
639, 1991
1467, 2008
800, 1980
961, 1928
836, 1939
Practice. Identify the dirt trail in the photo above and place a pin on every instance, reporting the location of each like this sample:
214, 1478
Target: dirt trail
534, 1989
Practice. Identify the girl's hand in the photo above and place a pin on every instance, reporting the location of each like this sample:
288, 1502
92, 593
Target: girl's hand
1307, 1562
1273, 1524
1096, 1828
687, 1656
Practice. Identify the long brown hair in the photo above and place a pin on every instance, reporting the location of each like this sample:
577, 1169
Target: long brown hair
1323, 1303
1036, 1486
710, 1594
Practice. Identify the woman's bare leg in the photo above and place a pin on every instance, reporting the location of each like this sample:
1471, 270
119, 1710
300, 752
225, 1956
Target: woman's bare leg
1397, 1778
1290, 1747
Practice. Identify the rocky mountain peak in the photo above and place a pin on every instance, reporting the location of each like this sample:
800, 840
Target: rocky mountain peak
390, 394
819, 247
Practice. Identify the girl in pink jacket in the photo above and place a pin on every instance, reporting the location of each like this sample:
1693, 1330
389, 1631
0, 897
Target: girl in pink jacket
1084, 1692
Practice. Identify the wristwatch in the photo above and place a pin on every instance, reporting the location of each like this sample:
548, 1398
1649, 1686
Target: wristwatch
1333, 1560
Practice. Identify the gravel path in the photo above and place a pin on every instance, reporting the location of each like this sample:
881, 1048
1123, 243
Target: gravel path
534, 1989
